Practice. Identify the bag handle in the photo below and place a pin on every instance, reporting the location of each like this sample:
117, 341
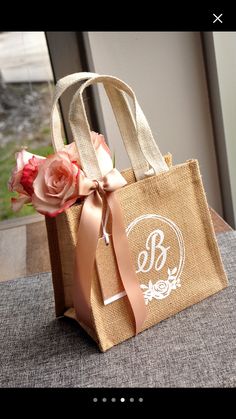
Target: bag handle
61, 86
122, 113
81, 131
127, 127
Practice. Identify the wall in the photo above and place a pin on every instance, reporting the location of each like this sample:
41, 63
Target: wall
225, 54
166, 70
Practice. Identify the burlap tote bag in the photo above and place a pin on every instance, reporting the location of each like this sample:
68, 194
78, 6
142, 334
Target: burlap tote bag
131, 254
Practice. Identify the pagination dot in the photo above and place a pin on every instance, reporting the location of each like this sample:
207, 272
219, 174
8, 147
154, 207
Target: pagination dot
122, 399
140, 399
95, 399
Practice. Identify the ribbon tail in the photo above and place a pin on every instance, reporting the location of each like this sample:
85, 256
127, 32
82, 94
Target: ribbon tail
87, 238
124, 263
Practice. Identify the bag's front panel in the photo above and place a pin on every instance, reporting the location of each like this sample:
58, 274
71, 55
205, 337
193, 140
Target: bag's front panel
173, 248
67, 226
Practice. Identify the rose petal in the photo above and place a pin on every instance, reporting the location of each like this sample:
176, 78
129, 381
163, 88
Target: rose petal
99, 140
22, 158
14, 184
56, 185
29, 173
17, 203
103, 153
71, 149
51, 210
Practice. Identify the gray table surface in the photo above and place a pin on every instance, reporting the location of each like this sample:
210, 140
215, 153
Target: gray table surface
195, 348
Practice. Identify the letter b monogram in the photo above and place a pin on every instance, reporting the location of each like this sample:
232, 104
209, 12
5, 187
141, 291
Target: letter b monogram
155, 254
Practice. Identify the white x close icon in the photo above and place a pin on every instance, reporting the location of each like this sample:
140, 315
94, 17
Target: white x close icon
217, 18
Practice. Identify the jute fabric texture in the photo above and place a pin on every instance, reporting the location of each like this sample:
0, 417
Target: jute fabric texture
177, 195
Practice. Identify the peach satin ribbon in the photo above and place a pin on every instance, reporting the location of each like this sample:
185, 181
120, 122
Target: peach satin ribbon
88, 235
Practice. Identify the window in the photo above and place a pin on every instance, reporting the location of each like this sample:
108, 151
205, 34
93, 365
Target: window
25, 101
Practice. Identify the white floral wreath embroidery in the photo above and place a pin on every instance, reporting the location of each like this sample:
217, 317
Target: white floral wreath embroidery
161, 289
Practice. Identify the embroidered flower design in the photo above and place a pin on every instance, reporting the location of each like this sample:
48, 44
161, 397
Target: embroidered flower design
162, 288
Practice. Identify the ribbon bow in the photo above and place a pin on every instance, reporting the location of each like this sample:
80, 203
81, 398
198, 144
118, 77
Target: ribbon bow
96, 192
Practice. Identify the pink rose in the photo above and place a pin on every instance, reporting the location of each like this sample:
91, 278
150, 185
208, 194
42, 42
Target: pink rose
23, 176
56, 185
51, 183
